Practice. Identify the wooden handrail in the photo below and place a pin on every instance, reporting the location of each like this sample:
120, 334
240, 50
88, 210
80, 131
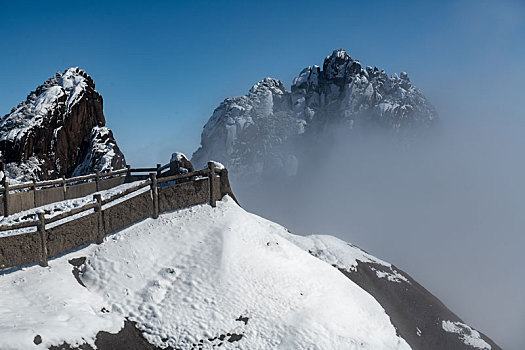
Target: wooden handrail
31, 184
148, 170
183, 176
126, 192
114, 172
96, 205
80, 178
71, 212
68, 180
142, 170
74, 211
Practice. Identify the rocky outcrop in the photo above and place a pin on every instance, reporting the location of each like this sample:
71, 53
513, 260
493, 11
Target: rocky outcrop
179, 164
59, 131
259, 133
245, 131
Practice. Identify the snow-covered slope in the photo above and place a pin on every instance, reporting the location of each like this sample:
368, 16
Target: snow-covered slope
257, 134
59, 130
189, 276
419, 317
201, 278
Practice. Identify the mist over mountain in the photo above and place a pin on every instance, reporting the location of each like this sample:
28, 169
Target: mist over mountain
59, 130
263, 132
437, 196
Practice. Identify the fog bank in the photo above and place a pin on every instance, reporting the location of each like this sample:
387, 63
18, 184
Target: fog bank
448, 209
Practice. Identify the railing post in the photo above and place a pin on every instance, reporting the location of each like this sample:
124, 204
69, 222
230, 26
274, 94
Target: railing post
98, 210
211, 167
128, 173
33, 187
158, 169
41, 226
5, 183
154, 195
64, 188
97, 178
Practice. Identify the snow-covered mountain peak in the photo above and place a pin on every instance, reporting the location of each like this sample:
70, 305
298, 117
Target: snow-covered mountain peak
252, 134
50, 133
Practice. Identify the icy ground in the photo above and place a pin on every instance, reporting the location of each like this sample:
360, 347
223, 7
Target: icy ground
192, 275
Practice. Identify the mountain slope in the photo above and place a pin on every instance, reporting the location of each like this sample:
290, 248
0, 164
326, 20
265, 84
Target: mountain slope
199, 278
258, 134
419, 317
59, 131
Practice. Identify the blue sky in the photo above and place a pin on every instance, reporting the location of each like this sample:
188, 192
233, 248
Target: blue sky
163, 66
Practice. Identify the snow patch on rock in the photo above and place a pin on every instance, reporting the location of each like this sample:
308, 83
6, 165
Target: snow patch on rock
469, 336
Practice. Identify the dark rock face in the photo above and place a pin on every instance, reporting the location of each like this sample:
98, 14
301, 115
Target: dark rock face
128, 338
419, 317
59, 131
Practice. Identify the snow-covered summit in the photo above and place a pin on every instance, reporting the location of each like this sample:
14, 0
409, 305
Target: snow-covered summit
52, 132
252, 134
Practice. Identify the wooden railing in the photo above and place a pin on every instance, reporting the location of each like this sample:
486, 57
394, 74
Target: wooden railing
14, 200
174, 192
21, 191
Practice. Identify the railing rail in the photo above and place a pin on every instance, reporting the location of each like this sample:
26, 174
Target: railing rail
126, 192
25, 203
60, 181
71, 212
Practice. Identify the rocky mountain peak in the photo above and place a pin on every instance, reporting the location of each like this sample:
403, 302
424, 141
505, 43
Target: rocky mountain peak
52, 132
271, 85
251, 134
339, 65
